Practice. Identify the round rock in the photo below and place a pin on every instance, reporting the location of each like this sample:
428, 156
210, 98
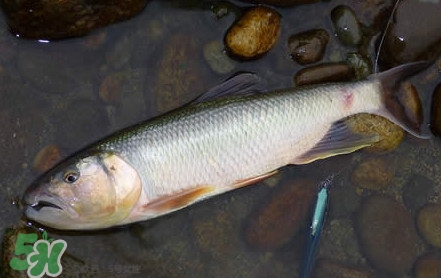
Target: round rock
387, 234
308, 47
429, 224
254, 34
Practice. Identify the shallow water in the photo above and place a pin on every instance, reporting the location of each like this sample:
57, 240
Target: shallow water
49, 95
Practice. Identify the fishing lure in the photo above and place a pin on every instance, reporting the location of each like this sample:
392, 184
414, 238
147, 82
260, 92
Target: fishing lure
316, 227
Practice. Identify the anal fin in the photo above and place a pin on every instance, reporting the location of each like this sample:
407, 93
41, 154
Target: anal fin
338, 140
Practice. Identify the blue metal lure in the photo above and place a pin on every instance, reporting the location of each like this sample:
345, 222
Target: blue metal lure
316, 227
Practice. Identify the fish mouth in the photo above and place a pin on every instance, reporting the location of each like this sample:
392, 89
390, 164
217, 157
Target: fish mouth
43, 204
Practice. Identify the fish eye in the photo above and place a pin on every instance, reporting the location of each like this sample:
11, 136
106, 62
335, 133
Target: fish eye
71, 176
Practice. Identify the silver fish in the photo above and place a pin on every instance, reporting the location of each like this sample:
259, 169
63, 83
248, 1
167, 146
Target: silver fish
209, 148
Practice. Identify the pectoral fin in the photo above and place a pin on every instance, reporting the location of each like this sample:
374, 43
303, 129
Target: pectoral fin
180, 200
338, 140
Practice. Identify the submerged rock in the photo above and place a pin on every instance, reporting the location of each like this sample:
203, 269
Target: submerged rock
329, 72
429, 224
327, 269
387, 234
278, 221
417, 191
46, 158
62, 19
214, 54
428, 266
308, 47
415, 33
347, 27
390, 134
177, 80
254, 34
373, 173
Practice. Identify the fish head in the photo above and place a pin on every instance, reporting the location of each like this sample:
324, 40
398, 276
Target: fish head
86, 192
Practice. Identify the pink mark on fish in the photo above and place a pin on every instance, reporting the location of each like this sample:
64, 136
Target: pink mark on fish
348, 99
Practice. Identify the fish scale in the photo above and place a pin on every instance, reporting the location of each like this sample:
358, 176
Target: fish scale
224, 142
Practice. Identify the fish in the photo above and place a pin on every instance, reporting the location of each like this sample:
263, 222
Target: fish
231, 139
316, 227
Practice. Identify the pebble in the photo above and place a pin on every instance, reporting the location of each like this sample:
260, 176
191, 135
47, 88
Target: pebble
413, 37
375, 173
111, 86
322, 73
417, 191
327, 269
214, 54
254, 34
346, 25
429, 224
390, 135
177, 81
308, 47
46, 158
56, 20
435, 116
277, 222
387, 234
428, 266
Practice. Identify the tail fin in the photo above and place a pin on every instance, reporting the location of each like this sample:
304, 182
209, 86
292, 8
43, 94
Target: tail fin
403, 107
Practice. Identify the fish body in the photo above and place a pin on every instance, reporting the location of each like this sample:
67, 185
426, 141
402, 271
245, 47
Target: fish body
203, 150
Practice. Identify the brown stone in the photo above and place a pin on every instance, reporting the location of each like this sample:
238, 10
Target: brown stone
330, 72
53, 19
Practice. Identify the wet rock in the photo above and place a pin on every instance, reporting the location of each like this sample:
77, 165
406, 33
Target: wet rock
308, 47
373, 173
283, 3
429, 224
390, 135
387, 234
325, 269
428, 266
372, 13
110, 88
435, 117
254, 34
57, 20
417, 191
46, 158
346, 25
216, 57
286, 211
339, 242
178, 81
330, 72
413, 37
